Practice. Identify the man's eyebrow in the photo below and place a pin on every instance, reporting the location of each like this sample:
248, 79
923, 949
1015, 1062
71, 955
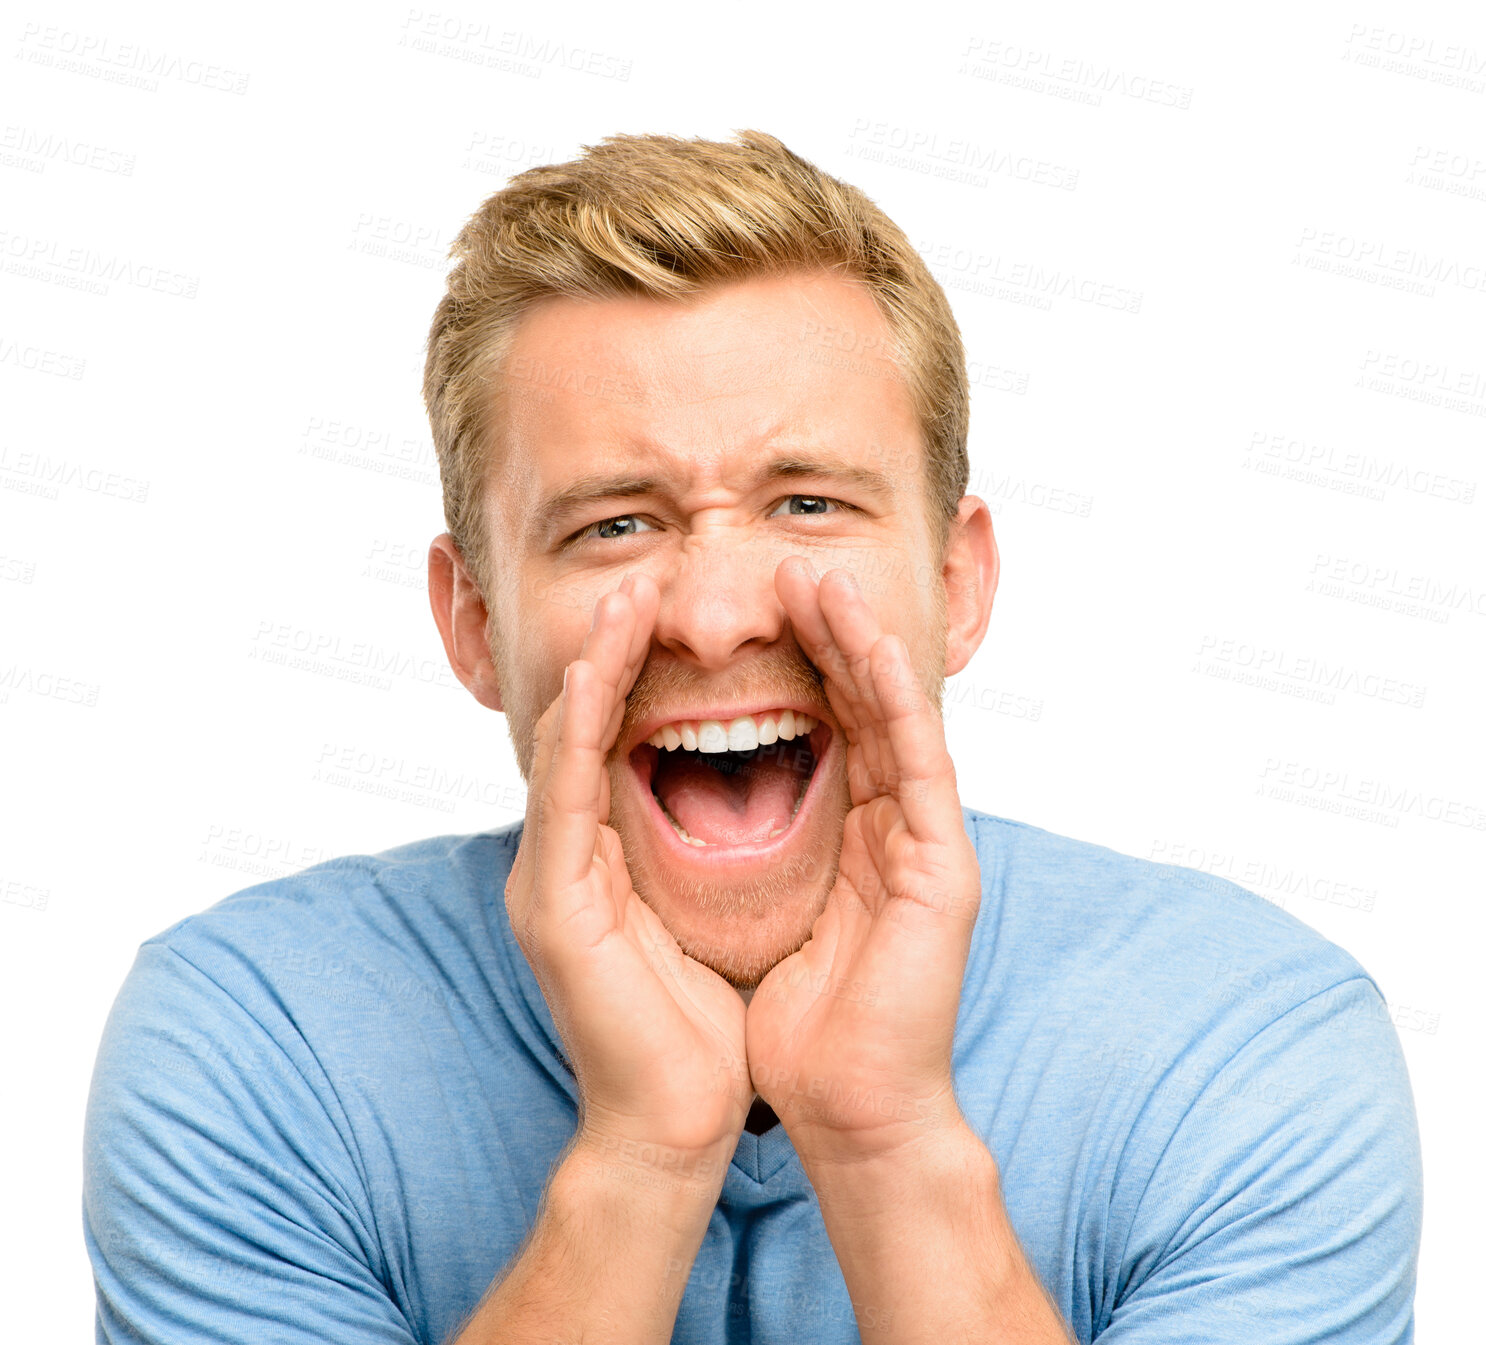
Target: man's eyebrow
863, 478
588, 490
593, 489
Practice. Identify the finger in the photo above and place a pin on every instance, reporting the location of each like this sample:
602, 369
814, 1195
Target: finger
610, 638
567, 804
574, 794
847, 680
645, 597
545, 734
799, 591
520, 889
923, 773
854, 630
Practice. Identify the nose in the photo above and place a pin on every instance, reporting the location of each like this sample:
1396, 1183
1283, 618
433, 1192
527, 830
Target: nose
717, 600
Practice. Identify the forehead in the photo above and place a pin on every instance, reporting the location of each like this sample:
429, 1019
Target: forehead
695, 391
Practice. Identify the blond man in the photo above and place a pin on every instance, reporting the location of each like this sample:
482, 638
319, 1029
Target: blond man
753, 1030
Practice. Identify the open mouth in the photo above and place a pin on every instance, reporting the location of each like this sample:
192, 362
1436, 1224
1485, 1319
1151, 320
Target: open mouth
739, 782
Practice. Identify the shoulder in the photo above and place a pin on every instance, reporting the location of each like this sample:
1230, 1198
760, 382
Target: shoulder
318, 973
1241, 1072
1151, 976
261, 1062
340, 919
1133, 923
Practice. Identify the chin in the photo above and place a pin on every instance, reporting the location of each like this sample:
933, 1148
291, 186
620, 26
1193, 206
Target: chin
740, 931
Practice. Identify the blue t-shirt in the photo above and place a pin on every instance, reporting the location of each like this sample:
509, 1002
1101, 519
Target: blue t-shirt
325, 1110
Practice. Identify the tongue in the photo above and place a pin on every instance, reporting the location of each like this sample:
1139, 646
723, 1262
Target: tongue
723, 809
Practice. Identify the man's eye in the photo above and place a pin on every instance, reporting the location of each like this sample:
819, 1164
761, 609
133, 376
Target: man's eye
626, 525
805, 504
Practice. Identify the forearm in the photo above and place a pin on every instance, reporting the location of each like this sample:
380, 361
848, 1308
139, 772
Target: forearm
927, 1250
610, 1253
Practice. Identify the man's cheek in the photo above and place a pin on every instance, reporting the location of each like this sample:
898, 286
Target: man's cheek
553, 598
873, 568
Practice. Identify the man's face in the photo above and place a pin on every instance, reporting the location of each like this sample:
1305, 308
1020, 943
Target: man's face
702, 442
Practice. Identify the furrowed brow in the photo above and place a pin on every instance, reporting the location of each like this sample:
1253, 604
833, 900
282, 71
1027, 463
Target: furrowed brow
578, 496
863, 478
590, 490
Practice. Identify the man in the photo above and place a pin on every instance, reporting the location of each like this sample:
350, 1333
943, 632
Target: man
751, 1031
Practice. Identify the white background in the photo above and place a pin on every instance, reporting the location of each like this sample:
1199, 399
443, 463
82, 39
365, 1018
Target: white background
1229, 413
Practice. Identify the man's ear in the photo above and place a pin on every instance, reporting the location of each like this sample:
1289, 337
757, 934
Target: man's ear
460, 613
972, 568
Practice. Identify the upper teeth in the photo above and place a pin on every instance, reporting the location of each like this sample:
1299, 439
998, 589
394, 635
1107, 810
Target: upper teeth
738, 735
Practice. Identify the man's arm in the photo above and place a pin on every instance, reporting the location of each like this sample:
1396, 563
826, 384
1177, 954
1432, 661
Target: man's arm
927, 1250
609, 1255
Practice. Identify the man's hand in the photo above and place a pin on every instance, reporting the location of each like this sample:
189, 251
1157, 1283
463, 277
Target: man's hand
655, 1039
850, 1038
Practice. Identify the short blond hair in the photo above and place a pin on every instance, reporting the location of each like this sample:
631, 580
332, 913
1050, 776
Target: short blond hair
663, 217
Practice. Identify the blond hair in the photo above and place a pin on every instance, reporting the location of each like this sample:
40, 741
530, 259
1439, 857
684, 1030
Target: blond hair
663, 217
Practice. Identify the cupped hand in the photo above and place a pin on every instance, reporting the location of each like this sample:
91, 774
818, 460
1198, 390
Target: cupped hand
850, 1039
655, 1039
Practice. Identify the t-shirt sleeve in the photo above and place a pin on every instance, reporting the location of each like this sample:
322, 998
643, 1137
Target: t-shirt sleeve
221, 1199
1286, 1205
